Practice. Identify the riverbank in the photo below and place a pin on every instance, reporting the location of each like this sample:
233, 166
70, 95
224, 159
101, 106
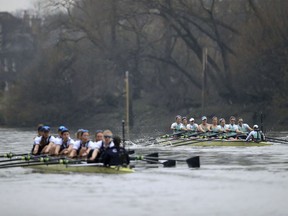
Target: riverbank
150, 120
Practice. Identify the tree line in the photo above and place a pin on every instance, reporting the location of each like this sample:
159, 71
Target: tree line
85, 46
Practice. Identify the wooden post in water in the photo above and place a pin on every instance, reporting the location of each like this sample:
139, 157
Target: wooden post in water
123, 133
127, 102
261, 121
204, 64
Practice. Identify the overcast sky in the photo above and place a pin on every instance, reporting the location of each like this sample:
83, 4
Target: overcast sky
12, 5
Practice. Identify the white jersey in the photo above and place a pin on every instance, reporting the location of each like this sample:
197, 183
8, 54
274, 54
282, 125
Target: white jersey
215, 129
192, 127
99, 144
59, 141
256, 135
233, 127
223, 128
37, 140
176, 126
244, 128
78, 144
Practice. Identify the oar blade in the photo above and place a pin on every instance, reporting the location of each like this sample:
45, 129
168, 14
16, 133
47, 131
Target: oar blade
130, 152
193, 162
169, 163
152, 157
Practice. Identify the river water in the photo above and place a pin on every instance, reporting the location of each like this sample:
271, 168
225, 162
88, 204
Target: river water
231, 181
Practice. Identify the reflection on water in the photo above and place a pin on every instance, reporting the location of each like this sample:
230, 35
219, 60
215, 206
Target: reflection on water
231, 181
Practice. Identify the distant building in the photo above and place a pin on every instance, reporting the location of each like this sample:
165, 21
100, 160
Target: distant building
17, 46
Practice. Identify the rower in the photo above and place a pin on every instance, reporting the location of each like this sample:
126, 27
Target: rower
78, 134
232, 127
39, 132
82, 147
177, 126
192, 126
184, 123
101, 146
256, 135
115, 155
223, 127
64, 145
60, 128
43, 143
214, 126
99, 135
56, 140
204, 126
243, 127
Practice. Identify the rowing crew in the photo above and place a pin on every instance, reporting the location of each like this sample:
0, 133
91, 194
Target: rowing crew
240, 130
106, 148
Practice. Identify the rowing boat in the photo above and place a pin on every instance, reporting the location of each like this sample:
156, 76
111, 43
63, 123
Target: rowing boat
212, 142
82, 168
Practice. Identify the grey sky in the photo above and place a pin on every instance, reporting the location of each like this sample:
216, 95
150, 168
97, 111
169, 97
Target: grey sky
13, 5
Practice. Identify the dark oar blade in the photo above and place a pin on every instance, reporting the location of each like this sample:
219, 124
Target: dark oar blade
169, 163
152, 157
193, 162
130, 152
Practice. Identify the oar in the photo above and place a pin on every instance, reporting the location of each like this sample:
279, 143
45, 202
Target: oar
42, 159
42, 162
277, 139
23, 157
183, 142
199, 141
187, 136
193, 162
60, 161
170, 135
154, 159
11, 155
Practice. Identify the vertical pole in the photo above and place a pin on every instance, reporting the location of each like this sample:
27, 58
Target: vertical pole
261, 120
123, 132
204, 62
127, 102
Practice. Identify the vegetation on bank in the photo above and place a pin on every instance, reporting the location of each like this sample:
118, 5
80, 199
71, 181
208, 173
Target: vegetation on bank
84, 48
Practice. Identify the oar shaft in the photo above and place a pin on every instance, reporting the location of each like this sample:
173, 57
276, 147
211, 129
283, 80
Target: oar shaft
35, 163
272, 138
11, 155
36, 159
182, 141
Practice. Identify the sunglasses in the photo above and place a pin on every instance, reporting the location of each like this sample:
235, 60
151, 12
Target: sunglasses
107, 136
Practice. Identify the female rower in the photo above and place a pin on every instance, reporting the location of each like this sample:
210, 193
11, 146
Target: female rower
214, 126
184, 123
223, 127
177, 126
58, 139
64, 145
78, 134
99, 135
39, 130
232, 127
83, 146
192, 126
243, 127
102, 146
204, 126
43, 143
